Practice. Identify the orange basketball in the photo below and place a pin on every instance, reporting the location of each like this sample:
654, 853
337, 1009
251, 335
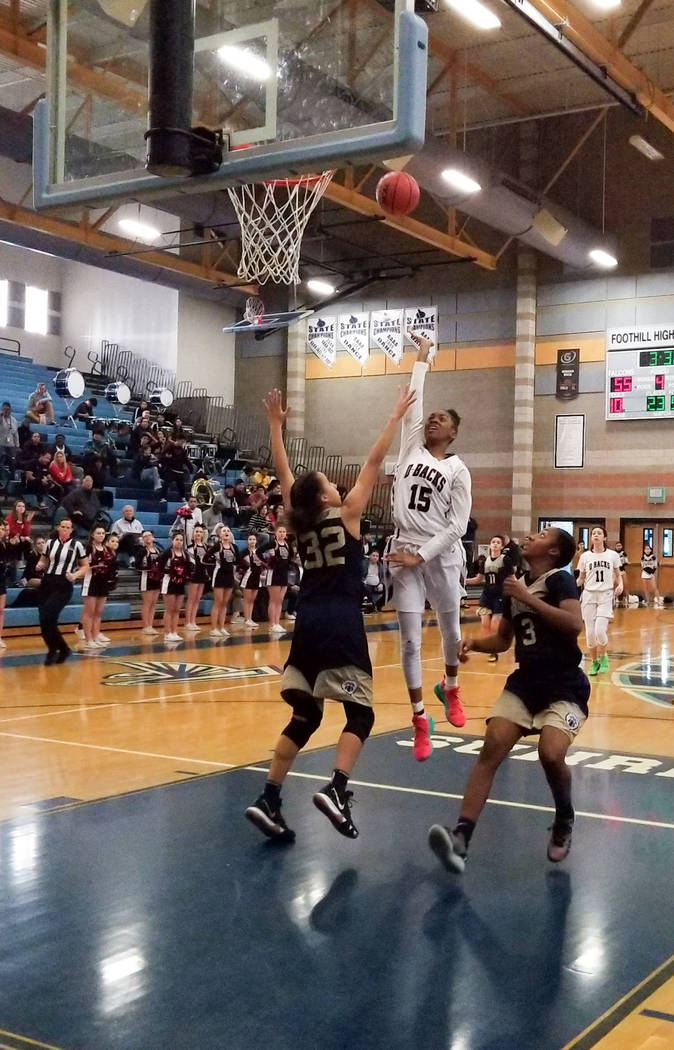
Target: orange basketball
397, 193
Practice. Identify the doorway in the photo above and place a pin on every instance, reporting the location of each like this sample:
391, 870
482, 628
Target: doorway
660, 535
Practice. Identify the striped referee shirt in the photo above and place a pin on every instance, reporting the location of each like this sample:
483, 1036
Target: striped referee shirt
63, 557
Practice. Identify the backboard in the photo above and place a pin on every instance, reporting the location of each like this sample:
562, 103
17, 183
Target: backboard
297, 85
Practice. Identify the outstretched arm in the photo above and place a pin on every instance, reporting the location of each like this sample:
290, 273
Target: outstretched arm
357, 499
273, 406
413, 423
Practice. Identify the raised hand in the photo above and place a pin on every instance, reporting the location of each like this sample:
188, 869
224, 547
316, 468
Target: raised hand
406, 398
273, 406
423, 344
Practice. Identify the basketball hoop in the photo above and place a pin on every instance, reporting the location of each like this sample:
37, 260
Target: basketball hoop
273, 216
254, 312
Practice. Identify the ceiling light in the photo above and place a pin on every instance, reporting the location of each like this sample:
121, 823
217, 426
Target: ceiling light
475, 13
603, 259
606, 5
645, 147
320, 287
140, 231
245, 61
459, 181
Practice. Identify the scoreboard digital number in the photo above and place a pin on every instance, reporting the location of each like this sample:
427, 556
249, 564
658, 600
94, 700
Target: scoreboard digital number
640, 372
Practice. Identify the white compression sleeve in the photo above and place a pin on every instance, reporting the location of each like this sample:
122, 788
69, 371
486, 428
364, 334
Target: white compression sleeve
450, 629
410, 648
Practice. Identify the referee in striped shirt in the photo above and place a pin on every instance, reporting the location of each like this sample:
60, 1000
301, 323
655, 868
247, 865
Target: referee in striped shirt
59, 561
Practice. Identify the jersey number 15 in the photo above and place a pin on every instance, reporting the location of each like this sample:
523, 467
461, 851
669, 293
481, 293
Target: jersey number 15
420, 498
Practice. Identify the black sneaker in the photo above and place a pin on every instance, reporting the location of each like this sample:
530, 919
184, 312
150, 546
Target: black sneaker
338, 811
62, 655
269, 820
560, 840
450, 849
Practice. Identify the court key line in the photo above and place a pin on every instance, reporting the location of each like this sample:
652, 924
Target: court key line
120, 750
490, 801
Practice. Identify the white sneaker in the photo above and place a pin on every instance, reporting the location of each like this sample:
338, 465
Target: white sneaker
79, 631
251, 623
277, 629
90, 647
237, 618
3, 645
192, 627
149, 630
173, 638
102, 639
215, 633
291, 616
224, 633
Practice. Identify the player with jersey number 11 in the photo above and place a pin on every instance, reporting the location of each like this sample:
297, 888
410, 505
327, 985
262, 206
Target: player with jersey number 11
431, 507
328, 658
599, 576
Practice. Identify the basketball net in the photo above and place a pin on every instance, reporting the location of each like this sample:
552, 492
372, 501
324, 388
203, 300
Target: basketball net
273, 217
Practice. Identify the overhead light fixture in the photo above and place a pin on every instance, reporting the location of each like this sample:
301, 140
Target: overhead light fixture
476, 13
245, 61
645, 147
606, 5
458, 180
320, 287
140, 231
603, 259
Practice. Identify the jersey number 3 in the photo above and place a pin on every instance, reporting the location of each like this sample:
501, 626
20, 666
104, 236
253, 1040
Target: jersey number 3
316, 557
420, 498
529, 635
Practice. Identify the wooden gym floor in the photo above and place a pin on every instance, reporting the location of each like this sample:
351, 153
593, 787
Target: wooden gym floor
141, 911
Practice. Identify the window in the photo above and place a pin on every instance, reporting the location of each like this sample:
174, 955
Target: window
4, 301
648, 538
667, 543
584, 536
37, 310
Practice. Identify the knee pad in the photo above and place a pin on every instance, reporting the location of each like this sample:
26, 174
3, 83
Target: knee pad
307, 716
359, 720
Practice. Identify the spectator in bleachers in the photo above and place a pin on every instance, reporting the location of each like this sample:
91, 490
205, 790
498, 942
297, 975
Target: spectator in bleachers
19, 520
178, 429
262, 477
60, 446
186, 518
103, 448
259, 525
32, 576
83, 505
175, 467
85, 409
159, 423
213, 516
130, 531
257, 497
123, 435
240, 494
32, 447
37, 479
145, 465
40, 408
61, 474
276, 512
140, 430
9, 436
7, 557
140, 412
373, 580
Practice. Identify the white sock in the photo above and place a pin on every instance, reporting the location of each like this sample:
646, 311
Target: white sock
450, 682
418, 707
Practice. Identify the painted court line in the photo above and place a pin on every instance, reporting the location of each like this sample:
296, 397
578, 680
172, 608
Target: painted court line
490, 802
120, 750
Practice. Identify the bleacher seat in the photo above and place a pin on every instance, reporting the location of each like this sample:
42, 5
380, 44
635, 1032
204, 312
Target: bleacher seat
28, 616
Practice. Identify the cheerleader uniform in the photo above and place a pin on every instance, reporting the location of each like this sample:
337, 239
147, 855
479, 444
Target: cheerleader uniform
102, 574
176, 572
649, 564
251, 566
221, 561
151, 572
279, 562
196, 552
7, 555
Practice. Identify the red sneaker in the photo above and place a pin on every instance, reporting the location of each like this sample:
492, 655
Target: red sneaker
423, 727
450, 698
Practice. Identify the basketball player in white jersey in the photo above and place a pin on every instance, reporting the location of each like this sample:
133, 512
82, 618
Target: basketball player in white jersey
599, 576
431, 507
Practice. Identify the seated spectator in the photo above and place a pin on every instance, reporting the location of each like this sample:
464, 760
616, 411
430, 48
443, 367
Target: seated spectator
257, 497
262, 477
60, 446
142, 409
175, 467
36, 479
145, 465
230, 506
129, 529
19, 519
100, 447
40, 408
61, 474
158, 423
32, 576
123, 436
246, 476
373, 581
259, 525
9, 436
178, 429
213, 516
276, 514
83, 505
141, 429
186, 518
85, 410
30, 450
240, 494
273, 490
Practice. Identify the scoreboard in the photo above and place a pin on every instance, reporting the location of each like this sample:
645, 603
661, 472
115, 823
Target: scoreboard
640, 372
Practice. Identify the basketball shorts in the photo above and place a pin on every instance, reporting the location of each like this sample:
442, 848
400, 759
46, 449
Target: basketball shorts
597, 603
490, 604
532, 702
437, 581
329, 657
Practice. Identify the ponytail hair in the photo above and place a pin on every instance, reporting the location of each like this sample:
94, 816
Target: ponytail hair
305, 502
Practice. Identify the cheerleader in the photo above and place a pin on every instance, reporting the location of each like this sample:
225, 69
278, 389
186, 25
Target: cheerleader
221, 559
649, 567
148, 561
251, 565
196, 552
7, 555
98, 581
175, 567
278, 559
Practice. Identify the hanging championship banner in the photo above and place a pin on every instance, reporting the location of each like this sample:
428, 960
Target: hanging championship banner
386, 332
353, 332
422, 320
322, 339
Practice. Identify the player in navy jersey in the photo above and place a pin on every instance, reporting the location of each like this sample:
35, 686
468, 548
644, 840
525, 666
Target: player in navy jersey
328, 658
547, 694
